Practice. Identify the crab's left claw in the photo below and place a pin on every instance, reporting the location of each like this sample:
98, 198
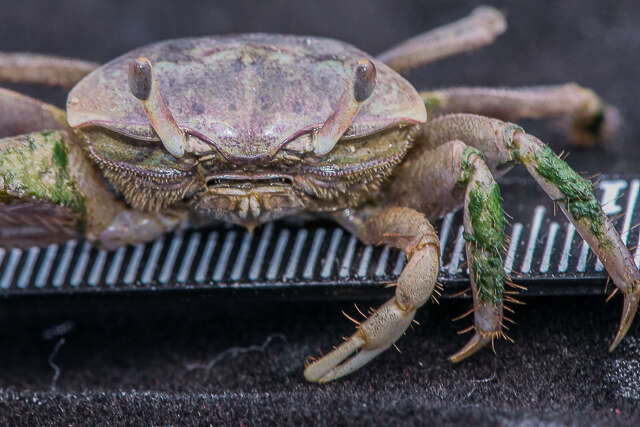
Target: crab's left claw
374, 336
411, 232
629, 308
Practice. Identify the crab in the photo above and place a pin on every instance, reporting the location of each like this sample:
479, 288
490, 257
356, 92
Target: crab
255, 127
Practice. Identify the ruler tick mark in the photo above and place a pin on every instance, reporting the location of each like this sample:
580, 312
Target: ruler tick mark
27, 270
258, 259
152, 261
327, 267
276, 260
185, 267
205, 261
134, 263
61, 271
298, 244
513, 247
548, 248
318, 238
10, 269
170, 259
538, 216
365, 261
348, 257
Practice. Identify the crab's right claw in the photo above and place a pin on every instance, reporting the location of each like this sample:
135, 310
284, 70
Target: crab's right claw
374, 336
629, 308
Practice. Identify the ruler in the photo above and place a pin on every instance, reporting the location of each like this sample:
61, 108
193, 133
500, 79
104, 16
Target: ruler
320, 259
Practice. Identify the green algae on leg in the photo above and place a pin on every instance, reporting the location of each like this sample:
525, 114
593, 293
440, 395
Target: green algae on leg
34, 167
486, 240
579, 197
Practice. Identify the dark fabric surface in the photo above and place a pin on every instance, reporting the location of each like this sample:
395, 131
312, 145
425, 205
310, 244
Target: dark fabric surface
125, 359
161, 361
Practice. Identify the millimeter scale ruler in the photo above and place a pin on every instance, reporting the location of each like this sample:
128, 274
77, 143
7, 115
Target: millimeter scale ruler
320, 259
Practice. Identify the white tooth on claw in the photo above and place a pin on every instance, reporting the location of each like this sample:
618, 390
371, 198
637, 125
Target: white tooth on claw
143, 85
359, 90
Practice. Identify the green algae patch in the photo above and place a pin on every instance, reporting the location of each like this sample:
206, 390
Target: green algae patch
36, 166
467, 166
579, 197
60, 156
487, 221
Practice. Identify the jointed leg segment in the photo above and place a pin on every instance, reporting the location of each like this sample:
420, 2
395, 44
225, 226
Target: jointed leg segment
410, 231
506, 144
478, 29
451, 174
587, 117
52, 192
43, 69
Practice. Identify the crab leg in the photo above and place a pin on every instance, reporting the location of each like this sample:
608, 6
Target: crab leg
505, 144
589, 117
411, 232
43, 69
451, 174
52, 192
20, 114
478, 29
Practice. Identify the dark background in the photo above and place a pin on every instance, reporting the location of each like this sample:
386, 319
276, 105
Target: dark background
124, 359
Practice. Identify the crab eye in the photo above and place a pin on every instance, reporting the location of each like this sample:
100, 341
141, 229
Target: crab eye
359, 90
143, 85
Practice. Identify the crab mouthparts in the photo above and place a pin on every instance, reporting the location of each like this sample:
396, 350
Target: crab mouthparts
247, 181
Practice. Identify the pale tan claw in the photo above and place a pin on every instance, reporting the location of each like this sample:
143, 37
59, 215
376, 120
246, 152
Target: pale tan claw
143, 85
629, 308
411, 232
359, 90
374, 336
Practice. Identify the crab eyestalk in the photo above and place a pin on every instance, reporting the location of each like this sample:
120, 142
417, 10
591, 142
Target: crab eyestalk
143, 85
359, 90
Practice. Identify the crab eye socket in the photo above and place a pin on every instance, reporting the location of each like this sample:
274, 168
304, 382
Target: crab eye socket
144, 87
360, 88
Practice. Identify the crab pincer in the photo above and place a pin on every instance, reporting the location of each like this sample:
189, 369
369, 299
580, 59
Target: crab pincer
411, 232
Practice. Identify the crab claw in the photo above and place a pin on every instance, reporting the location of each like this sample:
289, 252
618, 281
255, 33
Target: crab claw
359, 90
629, 308
143, 85
374, 336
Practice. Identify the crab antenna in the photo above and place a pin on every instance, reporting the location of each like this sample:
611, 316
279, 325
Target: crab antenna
359, 90
143, 85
